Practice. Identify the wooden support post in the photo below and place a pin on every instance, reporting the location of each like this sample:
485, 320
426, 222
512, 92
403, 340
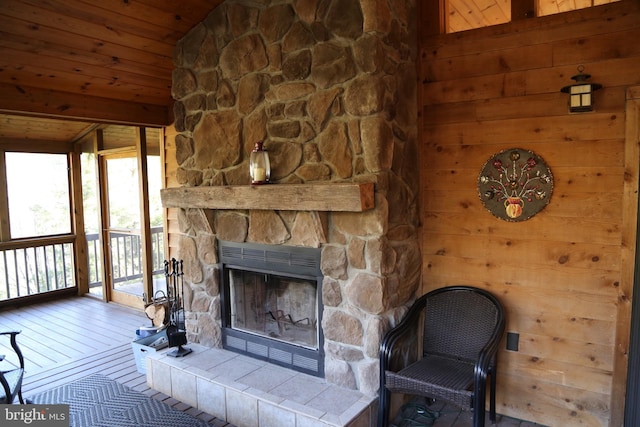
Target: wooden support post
523, 9
5, 234
431, 17
103, 213
145, 219
80, 246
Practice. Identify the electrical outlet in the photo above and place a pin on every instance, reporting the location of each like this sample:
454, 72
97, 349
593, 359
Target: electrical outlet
513, 339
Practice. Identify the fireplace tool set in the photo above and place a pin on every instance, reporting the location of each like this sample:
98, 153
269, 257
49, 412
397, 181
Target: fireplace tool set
175, 288
167, 309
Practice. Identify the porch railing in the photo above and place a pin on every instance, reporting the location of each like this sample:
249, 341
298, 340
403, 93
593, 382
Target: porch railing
30, 268
125, 256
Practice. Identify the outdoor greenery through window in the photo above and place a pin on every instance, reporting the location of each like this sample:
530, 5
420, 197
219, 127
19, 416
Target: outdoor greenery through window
39, 208
124, 197
38, 191
124, 222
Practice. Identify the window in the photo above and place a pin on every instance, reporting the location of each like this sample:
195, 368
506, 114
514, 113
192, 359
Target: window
39, 209
463, 15
38, 193
551, 7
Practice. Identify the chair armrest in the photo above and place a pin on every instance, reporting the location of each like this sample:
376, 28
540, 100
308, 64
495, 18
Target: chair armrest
401, 344
14, 344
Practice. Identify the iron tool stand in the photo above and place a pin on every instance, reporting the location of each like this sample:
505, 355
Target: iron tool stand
176, 333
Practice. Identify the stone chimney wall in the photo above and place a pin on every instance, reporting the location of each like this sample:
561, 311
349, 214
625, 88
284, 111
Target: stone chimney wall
330, 87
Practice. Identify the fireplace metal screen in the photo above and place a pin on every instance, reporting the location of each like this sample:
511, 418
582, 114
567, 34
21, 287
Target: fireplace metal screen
271, 304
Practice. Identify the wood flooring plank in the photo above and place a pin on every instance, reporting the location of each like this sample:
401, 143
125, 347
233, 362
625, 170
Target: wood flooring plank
59, 347
74, 328
98, 357
82, 367
58, 331
81, 363
69, 332
37, 338
121, 318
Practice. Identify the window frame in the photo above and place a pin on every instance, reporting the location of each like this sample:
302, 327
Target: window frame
5, 234
78, 247
520, 9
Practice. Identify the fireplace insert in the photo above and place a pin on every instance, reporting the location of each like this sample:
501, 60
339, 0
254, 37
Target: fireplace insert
271, 301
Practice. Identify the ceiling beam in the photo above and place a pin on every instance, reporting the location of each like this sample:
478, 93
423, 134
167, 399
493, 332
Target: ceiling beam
39, 146
523, 9
15, 99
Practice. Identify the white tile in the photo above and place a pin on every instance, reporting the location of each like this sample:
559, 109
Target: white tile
303, 421
263, 396
358, 410
161, 377
362, 420
175, 362
149, 372
235, 368
302, 409
209, 359
230, 384
335, 400
242, 410
300, 388
212, 398
267, 377
273, 416
332, 419
198, 372
183, 387
268, 394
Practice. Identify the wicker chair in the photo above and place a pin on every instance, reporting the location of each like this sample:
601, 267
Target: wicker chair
11, 380
444, 348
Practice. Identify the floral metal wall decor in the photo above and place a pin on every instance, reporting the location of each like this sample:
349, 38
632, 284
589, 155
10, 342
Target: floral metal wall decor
515, 184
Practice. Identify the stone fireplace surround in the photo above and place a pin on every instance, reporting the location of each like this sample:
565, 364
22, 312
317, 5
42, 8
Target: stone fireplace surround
330, 86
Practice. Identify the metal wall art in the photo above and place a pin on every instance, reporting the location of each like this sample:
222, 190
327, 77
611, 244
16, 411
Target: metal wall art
515, 184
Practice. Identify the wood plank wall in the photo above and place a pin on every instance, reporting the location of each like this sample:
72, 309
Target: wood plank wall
563, 275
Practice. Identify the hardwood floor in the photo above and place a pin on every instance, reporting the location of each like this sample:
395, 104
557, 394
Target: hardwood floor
69, 339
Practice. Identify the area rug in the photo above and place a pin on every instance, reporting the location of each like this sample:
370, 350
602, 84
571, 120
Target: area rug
98, 401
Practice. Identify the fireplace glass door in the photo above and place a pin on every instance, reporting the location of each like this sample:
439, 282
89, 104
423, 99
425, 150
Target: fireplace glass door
271, 304
277, 307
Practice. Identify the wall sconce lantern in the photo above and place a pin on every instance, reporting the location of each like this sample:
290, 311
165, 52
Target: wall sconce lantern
259, 166
580, 93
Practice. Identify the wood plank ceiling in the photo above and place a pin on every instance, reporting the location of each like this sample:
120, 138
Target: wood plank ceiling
107, 61
110, 61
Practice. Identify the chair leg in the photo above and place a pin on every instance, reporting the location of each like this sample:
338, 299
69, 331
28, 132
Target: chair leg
478, 407
492, 396
20, 397
383, 407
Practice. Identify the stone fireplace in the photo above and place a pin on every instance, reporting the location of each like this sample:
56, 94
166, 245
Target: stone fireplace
330, 87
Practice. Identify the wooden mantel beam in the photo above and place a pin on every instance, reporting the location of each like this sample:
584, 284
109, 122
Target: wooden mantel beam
337, 197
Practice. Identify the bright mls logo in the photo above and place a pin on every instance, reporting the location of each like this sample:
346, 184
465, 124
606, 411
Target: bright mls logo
34, 415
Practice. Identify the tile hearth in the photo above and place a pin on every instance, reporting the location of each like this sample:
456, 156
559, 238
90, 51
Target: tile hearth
251, 393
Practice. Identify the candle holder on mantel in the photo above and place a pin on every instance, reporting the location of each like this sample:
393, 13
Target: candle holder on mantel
259, 166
